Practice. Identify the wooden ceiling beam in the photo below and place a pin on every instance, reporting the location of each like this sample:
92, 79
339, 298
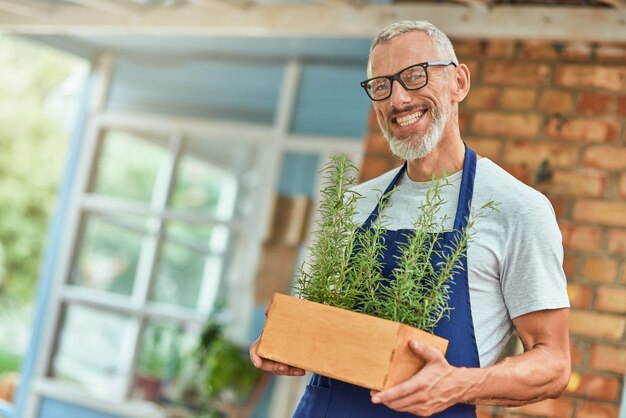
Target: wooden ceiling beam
26, 8
316, 20
114, 7
219, 5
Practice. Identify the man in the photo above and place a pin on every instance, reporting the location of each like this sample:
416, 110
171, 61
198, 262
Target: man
512, 277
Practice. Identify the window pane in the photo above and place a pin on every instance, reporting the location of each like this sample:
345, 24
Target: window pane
128, 165
90, 349
108, 254
165, 350
185, 276
202, 188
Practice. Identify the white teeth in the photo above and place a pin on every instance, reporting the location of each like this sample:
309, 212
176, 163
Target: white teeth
409, 119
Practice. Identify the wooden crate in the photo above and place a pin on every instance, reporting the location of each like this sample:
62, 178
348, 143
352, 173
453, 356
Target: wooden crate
355, 348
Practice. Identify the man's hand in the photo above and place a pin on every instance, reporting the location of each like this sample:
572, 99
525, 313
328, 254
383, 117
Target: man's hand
540, 372
272, 366
431, 390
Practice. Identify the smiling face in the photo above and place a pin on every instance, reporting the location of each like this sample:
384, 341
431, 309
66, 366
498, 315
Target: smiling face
412, 121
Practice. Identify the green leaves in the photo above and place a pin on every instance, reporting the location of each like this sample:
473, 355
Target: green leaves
345, 269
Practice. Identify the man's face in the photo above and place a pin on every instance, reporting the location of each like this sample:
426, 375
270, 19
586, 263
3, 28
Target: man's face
411, 121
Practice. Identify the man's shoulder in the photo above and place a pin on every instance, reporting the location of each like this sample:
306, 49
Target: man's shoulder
495, 183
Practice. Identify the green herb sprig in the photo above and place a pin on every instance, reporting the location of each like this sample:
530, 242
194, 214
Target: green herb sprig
345, 269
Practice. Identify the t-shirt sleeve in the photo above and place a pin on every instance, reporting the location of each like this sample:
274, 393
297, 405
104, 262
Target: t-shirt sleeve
532, 273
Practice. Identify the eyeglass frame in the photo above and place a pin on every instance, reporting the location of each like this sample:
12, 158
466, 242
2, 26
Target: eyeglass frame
396, 77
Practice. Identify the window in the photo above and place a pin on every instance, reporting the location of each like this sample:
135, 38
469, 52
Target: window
157, 220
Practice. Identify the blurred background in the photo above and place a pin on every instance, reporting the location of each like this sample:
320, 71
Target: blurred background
159, 173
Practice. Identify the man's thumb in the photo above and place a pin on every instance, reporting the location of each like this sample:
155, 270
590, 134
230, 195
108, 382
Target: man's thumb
425, 352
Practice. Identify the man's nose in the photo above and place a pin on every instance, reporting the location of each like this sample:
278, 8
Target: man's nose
399, 95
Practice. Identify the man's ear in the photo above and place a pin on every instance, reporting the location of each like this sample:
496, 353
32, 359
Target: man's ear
461, 83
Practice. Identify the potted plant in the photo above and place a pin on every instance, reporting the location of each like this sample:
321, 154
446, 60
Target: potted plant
151, 365
219, 375
345, 298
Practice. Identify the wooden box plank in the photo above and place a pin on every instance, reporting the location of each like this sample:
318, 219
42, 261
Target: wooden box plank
356, 348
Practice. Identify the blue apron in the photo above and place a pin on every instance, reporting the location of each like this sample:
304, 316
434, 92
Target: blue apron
329, 398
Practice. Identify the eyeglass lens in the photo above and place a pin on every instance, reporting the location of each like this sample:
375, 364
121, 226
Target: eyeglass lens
411, 78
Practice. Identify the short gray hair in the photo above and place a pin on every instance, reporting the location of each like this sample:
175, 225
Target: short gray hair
441, 41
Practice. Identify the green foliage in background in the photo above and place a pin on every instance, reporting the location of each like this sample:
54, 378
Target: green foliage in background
32, 152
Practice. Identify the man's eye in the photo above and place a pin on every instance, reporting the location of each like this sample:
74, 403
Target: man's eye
378, 87
414, 76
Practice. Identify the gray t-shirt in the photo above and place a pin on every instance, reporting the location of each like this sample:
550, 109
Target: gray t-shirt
515, 257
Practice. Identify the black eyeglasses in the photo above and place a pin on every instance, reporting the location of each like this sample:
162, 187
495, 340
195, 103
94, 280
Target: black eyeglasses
411, 78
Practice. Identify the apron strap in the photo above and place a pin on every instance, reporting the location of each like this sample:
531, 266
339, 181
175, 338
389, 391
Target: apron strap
374, 215
467, 190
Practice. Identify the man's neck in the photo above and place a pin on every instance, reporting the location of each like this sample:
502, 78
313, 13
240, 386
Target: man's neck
445, 159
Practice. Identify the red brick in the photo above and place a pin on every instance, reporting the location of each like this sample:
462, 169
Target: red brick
617, 242
521, 125
533, 154
611, 53
600, 212
553, 408
600, 269
596, 324
577, 51
500, 48
538, 50
482, 98
579, 183
622, 185
490, 148
597, 387
611, 299
581, 238
523, 174
516, 74
596, 410
621, 106
605, 157
556, 101
372, 123
597, 76
468, 47
374, 166
580, 295
518, 99
587, 130
608, 358
376, 144
464, 120
474, 69
577, 353
593, 103
560, 205
569, 265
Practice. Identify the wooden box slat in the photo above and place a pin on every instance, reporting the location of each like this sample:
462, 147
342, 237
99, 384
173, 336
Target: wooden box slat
364, 350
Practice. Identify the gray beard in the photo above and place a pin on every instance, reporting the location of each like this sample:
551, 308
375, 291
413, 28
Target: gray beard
417, 146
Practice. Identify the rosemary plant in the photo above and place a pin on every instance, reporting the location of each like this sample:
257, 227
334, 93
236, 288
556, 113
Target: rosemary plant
345, 269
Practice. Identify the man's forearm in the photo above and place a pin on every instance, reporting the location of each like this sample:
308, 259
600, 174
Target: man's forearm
529, 377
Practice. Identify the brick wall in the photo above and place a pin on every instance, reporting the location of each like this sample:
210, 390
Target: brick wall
554, 115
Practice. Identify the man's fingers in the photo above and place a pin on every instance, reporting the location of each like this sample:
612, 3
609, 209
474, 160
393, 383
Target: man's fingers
280, 368
272, 366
